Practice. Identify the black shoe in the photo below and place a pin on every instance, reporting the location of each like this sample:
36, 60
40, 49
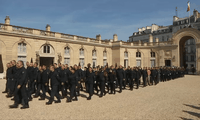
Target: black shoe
69, 100
76, 99
35, 96
42, 98
25, 106
8, 96
58, 101
101, 96
13, 99
4, 92
120, 91
14, 106
30, 99
62, 97
89, 98
48, 103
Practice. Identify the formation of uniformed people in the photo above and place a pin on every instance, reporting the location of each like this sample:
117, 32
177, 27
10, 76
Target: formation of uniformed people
25, 83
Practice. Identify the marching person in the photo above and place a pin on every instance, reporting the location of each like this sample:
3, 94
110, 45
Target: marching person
20, 91
55, 81
90, 82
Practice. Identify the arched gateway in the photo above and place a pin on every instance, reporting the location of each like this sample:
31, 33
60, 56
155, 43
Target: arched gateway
179, 39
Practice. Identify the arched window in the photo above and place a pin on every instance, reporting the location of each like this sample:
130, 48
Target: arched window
67, 55
94, 53
138, 59
21, 47
81, 57
67, 51
22, 52
153, 54
126, 59
46, 49
125, 54
104, 53
94, 58
104, 58
138, 54
153, 60
81, 52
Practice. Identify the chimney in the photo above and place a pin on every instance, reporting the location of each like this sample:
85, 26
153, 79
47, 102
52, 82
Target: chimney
115, 37
150, 38
7, 20
48, 27
98, 37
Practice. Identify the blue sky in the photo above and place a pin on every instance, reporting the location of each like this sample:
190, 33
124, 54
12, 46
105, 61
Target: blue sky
91, 17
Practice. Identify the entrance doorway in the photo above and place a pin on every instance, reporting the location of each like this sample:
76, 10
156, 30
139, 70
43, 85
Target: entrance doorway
46, 61
187, 48
168, 63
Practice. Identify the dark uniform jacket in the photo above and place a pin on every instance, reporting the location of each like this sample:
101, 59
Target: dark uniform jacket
55, 79
20, 76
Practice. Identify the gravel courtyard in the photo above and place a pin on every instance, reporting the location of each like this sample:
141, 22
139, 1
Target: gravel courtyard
172, 100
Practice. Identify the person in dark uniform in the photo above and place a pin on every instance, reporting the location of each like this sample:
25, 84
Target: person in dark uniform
101, 81
144, 76
39, 82
64, 80
45, 82
8, 79
20, 92
120, 77
55, 81
137, 77
132, 75
96, 81
35, 76
90, 82
124, 78
73, 82
13, 81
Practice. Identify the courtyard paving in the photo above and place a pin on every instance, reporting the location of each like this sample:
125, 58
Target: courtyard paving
173, 100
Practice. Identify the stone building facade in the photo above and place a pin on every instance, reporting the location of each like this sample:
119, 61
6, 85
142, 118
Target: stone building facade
165, 33
47, 47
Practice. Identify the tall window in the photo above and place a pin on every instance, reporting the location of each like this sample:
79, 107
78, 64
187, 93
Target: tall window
22, 53
104, 54
67, 55
94, 53
163, 38
153, 54
81, 52
94, 58
81, 58
67, 51
126, 59
67, 61
138, 54
82, 62
46, 49
104, 58
21, 47
153, 60
138, 59
192, 58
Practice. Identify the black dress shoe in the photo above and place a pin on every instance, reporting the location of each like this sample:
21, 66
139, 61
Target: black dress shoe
4, 92
76, 99
8, 96
25, 106
35, 96
13, 99
42, 99
48, 103
89, 98
14, 106
101, 96
69, 100
58, 101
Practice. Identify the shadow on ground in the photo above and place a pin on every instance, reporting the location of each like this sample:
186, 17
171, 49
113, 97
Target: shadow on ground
191, 113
